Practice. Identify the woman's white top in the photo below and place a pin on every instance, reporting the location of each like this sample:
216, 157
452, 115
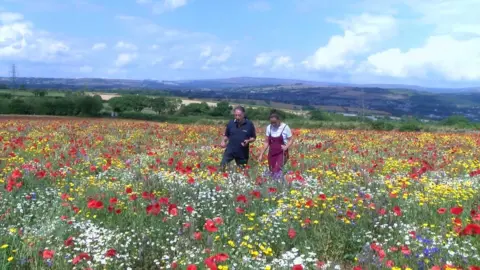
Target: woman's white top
282, 130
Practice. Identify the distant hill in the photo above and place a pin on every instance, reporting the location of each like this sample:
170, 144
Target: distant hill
228, 83
389, 99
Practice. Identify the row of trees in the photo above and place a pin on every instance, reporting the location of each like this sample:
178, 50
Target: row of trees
75, 105
170, 106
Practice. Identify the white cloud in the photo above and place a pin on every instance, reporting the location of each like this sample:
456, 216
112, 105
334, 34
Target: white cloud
162, 6
206, 52
274, 60
9, 17
20, 40
99, 46
282, 62
466, 28
14, 37
121, 45
263, 59
259, 6
222, 57
86, 69
360, 33
157, 61
177, 64
124, 59
453, 59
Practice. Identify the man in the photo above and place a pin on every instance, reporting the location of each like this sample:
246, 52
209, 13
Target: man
239, 133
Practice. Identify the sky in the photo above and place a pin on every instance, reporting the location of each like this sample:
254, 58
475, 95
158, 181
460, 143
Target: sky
420, 42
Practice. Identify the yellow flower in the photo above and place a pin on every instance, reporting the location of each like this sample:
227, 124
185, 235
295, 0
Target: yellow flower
223, 267
231, 243
4, 246
10, 259
268, 267
13, 230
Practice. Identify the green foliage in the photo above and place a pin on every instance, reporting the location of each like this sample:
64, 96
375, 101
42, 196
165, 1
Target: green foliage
410, 125
222, 109
19, 106
4, 106
131, 103
89, 106
163, 105
39, 93
382, 125
6, 95
319, 115
194, 109
456, 120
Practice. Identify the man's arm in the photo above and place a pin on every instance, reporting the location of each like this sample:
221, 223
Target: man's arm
225, 136
251, 136
254, 133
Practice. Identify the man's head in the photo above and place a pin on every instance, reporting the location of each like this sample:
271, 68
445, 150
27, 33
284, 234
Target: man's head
239, 113
274, 118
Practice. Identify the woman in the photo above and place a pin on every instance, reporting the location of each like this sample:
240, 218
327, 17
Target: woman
279, 139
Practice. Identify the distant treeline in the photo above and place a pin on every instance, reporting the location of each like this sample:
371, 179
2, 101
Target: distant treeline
165, 108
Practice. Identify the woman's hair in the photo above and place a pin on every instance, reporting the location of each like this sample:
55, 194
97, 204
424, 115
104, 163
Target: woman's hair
274, 114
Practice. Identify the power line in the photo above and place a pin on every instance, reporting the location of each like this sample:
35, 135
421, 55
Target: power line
13, 76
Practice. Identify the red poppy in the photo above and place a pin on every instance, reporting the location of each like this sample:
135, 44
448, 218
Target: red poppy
218, 220
172, 210
111, 253
192, 267
471, 229
48, 254
79, 257
113, 200
397, 211
94, 204
456, 210
197, 235
441, 211
256, 194
292, 233
210, 226
221, 257
68, 242
242, 198
406, 250
189, 209
297, 267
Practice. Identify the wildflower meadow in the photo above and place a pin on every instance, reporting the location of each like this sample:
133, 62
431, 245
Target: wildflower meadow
114, 194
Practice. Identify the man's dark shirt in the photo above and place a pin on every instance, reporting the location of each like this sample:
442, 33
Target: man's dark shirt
237, 133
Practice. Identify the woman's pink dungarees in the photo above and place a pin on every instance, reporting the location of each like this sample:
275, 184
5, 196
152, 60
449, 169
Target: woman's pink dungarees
276, 156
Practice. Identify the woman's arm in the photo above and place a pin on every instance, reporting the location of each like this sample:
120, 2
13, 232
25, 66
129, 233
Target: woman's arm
289, 142
264, 147
290, 138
